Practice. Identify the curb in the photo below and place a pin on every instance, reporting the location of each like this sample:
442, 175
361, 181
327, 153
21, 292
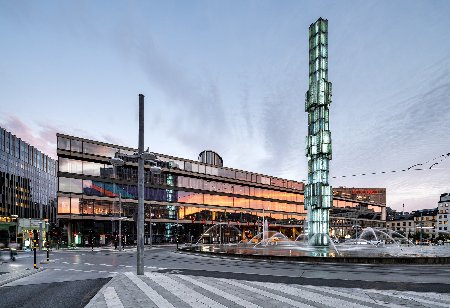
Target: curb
332, 260
15, 276
91, 303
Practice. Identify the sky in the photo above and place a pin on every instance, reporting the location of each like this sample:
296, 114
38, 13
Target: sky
231, 76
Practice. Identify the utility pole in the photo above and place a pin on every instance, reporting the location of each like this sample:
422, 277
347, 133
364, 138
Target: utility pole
140, 217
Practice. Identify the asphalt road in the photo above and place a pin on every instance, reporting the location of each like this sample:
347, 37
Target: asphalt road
56, 294
61, 277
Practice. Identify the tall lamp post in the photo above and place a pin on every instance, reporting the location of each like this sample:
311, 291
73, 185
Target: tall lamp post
142, 156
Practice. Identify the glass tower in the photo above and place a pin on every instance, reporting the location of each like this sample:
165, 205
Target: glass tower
318, 193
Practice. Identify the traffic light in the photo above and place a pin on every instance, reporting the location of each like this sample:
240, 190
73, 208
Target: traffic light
35, 236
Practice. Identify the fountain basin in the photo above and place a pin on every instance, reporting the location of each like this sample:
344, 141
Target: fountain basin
323, 255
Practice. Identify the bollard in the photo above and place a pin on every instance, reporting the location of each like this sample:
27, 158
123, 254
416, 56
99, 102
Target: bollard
48, 254
35, 264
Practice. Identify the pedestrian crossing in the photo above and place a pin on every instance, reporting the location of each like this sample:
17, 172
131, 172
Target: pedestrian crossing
156, 289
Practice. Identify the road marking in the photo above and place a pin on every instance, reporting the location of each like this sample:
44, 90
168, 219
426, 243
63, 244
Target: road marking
128, 266
400, 295
113, 272
308, 295
75, 263
88, 264
151, 294
231, 297
102, 271
78, 270
111, 298
186, 294
65, 262
348, 295
265, 293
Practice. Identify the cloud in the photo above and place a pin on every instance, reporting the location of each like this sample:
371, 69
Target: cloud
43, 137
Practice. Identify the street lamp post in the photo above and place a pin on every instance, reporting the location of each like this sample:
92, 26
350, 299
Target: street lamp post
142, 156
140, 218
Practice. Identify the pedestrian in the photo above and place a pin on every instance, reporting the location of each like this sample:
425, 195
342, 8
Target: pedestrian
115, 243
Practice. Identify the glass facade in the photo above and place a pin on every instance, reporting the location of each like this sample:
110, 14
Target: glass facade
201, 193
27, 179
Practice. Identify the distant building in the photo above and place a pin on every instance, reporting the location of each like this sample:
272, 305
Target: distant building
443, 215
426, 222
27, 182
403, 223
371, 195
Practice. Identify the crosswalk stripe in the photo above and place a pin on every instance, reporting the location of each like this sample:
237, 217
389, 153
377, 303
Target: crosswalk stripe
435, 296
348, 295
416, 299
265, 293
187, 295
111, 298
233, 298
308, 295
151, 294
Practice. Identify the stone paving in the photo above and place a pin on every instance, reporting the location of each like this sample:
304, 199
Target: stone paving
16, 275
175, 290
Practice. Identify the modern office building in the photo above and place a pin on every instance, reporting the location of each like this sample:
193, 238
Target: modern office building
442, 226
27, 185
199, 194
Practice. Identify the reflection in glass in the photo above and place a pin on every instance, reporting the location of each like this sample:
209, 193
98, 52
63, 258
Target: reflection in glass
63, 205
63, 143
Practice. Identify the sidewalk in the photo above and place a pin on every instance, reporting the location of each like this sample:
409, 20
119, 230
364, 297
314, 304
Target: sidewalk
13, 276
112, 249
174, 290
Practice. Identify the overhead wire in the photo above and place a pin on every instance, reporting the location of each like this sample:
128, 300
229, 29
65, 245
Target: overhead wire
442, 157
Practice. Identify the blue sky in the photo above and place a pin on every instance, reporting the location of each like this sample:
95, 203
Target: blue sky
231, 76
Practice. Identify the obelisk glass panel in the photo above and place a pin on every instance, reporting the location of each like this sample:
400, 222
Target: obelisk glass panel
318, 196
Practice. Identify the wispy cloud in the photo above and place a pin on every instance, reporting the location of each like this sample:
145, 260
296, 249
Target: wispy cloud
43, 137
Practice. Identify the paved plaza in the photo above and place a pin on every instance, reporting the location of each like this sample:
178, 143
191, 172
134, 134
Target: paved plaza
107, 278
174, 290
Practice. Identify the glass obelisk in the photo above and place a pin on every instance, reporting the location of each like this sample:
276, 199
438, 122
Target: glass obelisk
318, 196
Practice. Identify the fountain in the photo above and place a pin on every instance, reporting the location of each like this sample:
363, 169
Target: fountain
378, 237
220, 233
372, 246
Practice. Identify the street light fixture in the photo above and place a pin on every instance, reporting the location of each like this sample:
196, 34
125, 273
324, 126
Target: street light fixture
117, 162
